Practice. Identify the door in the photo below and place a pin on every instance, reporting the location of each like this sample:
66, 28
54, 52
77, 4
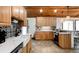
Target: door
31, 25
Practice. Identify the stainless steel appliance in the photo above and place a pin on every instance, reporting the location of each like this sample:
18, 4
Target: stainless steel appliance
76, 40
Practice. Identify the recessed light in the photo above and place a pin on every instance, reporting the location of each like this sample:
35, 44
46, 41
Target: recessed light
41, 10
68, 17
55, 10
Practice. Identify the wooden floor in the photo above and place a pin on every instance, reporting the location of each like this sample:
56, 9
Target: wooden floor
49, 47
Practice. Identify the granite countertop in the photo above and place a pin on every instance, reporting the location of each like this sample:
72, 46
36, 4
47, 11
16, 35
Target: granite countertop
11, 43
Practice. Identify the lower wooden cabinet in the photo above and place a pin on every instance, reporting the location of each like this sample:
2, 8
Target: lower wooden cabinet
44, 35
65, 40
27, 48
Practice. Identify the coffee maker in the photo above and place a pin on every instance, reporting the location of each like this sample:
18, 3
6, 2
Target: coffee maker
2, 36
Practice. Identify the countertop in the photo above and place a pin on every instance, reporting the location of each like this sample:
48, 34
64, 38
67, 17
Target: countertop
64, 32
45, 31
11, 43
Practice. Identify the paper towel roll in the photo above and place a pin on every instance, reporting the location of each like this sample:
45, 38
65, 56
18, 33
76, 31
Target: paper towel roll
24, 30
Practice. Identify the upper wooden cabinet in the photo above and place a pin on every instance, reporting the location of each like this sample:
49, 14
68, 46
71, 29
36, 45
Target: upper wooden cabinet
46, 21
16, 11
5, 15
25, 17
19, 12
22, 13
9, 12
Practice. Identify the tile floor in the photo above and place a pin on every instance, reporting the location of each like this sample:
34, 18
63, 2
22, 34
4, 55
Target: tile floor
49, 47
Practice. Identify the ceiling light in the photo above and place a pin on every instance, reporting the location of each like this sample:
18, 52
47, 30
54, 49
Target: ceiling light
41, 10
55, 10
68, 17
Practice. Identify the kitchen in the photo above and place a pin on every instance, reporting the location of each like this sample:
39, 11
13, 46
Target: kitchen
39, 29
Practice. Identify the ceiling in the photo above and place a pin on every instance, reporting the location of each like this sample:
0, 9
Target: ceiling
48, 11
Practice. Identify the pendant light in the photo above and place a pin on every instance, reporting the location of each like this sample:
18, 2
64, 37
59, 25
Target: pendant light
67, 17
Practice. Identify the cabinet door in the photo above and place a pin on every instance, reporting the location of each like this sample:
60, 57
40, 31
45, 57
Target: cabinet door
61, 40
25, 17
44, 35
5, 15
25, 49
21, 13
51, 35
67, 41
29, 46
1, 15
38, 36
16, 11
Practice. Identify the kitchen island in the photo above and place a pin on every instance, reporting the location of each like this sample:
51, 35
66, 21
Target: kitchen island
65, 39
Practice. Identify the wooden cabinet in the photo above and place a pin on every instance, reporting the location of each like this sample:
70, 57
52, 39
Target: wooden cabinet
5, 15
19, 13
46, 21
16, 11
44, 35
9, 12
38, 35
65, 40
24, 49
25, 17
27, 48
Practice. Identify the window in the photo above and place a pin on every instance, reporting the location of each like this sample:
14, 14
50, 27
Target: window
77, 25
68, 25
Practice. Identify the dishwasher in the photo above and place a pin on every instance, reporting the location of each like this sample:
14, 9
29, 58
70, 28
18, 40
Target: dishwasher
76, 42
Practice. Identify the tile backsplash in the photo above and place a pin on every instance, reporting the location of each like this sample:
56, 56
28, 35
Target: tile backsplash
11, 30
8, 31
